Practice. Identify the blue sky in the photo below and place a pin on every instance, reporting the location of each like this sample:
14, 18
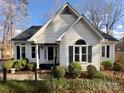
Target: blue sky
38, 9
38, 12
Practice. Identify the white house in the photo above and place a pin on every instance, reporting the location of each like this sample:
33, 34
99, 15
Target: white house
65, 37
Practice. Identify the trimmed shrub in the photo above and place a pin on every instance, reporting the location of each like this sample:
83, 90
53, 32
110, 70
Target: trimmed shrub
20, 64
107, 64
26, 59
9, 64
118, 67
98, 75
59, 71
31, 66
93, 73
74, 69
17, 65
91, 70
23, 62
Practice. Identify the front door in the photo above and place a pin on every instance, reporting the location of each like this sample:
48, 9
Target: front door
50, 53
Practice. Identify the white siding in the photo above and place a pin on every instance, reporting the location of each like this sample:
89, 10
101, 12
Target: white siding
80, 31
29, 54
112, 51
58, 26
27, 51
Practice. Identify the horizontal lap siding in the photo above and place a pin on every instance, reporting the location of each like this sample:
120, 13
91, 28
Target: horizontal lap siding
112, 52
58, 26
80, 31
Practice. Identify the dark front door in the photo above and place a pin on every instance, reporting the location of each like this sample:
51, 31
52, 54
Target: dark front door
50, 53
18, 52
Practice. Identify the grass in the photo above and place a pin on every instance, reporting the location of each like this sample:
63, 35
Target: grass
62, 86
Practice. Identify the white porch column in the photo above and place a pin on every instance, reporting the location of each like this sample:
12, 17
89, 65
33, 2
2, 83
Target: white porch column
37, 56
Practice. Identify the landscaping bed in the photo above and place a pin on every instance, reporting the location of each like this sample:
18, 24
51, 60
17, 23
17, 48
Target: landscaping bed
63, 86
113, 74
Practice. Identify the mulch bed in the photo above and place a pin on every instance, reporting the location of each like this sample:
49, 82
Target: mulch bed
114, 74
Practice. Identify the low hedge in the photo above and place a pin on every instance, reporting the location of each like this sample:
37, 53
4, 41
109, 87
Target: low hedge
22, 64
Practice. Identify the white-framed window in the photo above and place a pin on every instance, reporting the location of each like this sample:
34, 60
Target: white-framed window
80, 52
103, 51
106, 51
23, 51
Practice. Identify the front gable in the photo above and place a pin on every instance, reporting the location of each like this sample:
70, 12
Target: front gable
56, 26
81, 31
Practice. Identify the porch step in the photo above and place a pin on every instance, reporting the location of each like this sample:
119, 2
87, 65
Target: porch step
45, 71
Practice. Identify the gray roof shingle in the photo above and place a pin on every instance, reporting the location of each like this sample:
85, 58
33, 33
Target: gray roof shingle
108, 37
24, 36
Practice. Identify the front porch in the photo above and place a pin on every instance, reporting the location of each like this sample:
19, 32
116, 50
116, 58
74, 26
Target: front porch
44, 55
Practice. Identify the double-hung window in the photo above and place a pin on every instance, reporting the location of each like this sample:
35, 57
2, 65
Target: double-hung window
23, 51
106, 51
77, 54
83, 54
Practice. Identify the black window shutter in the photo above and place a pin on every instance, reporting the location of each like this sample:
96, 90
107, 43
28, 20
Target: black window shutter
18, 52
70, 53
89, 54
108, 51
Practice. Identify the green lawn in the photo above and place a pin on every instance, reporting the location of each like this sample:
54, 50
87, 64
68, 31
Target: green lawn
63, 86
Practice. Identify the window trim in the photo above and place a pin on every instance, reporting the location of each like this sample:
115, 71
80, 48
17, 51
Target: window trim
23, 52
105, 51
80, 53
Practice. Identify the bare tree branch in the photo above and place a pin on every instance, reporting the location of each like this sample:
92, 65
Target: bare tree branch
104, 14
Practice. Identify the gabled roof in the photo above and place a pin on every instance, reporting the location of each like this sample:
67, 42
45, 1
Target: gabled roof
27, 34
34, 31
